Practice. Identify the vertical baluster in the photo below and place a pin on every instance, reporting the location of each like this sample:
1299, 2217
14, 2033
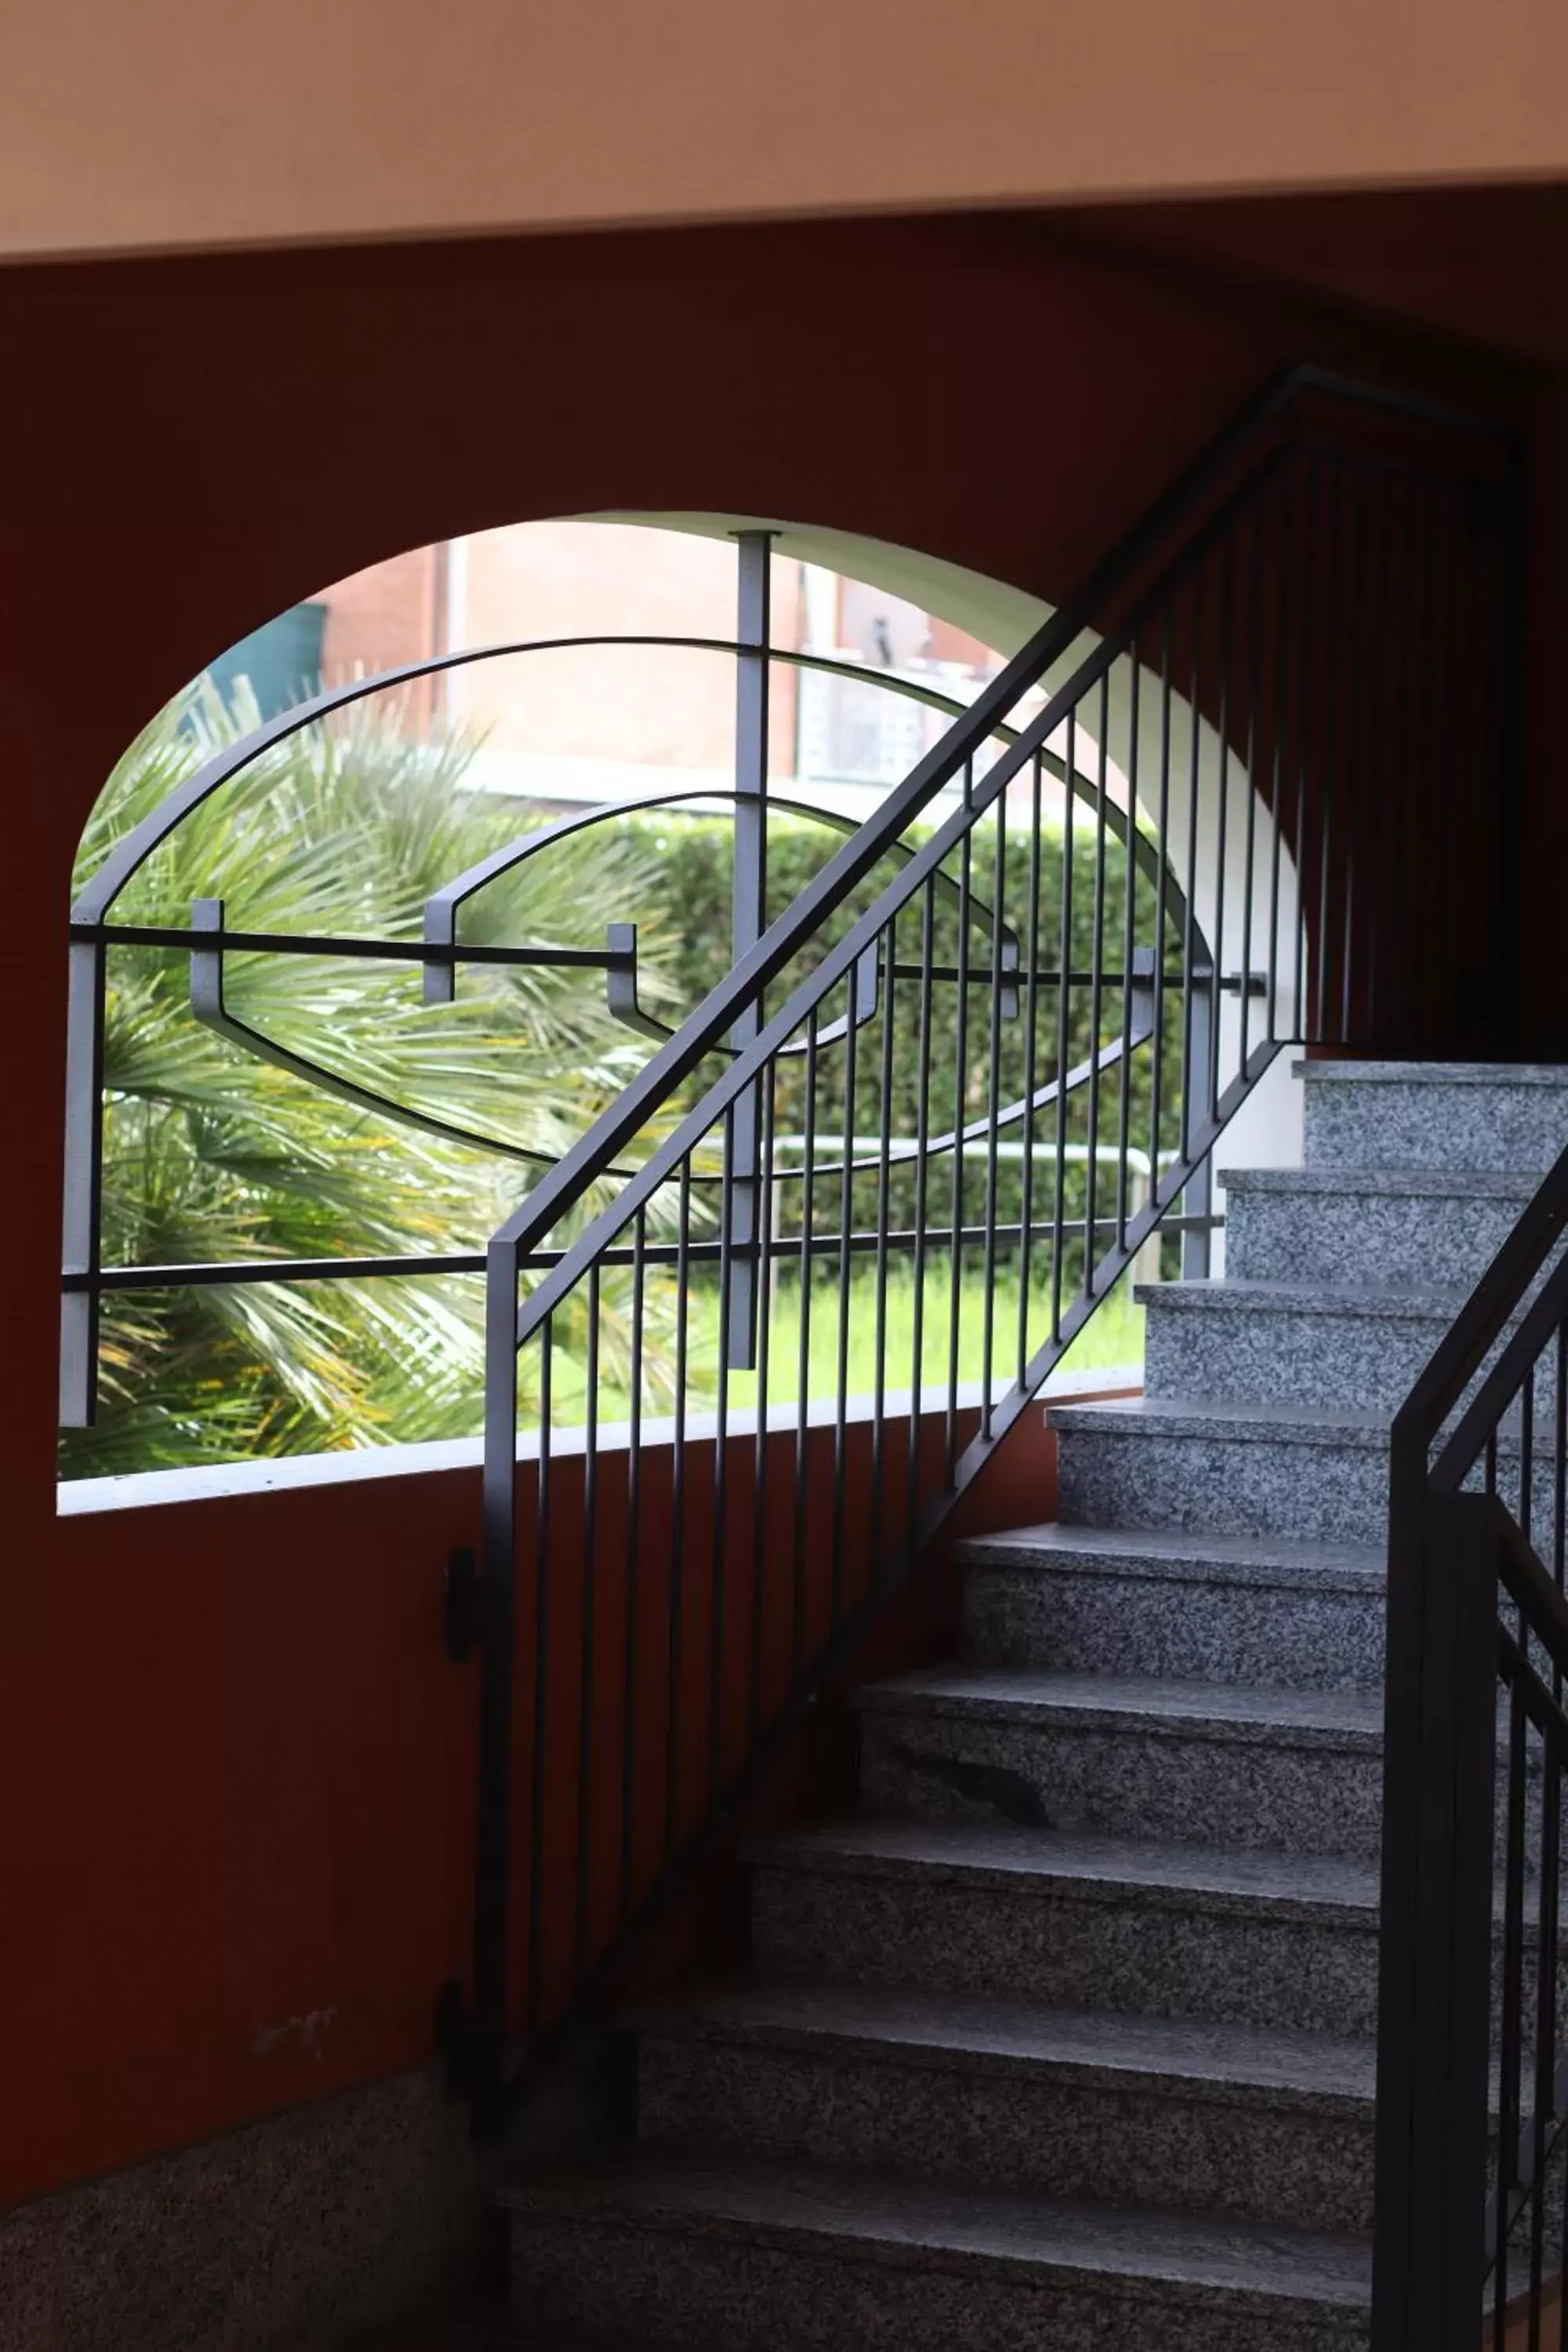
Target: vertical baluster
1128, 929
807, 1212
1064, 1017
586, 1724
716, 1612
1031, 1019
884, 1189
1527, 1453
992, 1110
1096, 1004
1286, 578
1447, 672
1512, 2004
542, 1663
960, 1105
1304, 737
1543, 2112
1559, 1468
634, 1557
1161, 869
1334, 601
1356, 704
764, 1243
1200, 994
1392, 674
677, 1510
922, 1139
1254, 689
1190, 983
1216, 942
846, 1222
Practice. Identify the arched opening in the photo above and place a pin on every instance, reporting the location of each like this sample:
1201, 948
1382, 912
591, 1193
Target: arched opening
620, 798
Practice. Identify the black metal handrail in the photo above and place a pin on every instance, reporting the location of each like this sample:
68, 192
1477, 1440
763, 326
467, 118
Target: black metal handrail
1472, 2057
1225, 644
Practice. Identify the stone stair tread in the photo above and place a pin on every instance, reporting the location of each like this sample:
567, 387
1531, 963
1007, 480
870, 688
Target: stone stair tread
1419, 1184
886, 2218
989, 2030
1020, 1693
1176, 1551
1433, 1074
1418, 1302
1243, 1421
1333, 1888
1247, 1423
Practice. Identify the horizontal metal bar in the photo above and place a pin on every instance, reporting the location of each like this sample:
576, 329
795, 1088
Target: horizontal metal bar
304, 943
208, 1276
1010, 977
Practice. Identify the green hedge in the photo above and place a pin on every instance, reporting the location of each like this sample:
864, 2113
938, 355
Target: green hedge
691, 922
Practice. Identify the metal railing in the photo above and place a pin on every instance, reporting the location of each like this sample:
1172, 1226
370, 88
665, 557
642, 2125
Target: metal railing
1178, 864
96, 937
1472, 2087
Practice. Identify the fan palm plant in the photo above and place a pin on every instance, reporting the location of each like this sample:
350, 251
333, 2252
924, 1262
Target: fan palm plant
210, 1152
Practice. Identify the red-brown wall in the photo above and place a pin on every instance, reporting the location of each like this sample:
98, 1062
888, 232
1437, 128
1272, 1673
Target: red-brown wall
239, 1771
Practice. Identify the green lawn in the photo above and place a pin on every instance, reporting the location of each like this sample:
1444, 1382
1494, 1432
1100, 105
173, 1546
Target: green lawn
1115, 1335
1113, 1339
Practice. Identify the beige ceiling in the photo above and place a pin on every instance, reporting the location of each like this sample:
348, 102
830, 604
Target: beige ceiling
151, 124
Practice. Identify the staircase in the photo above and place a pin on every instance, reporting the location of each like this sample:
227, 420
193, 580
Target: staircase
1066, 2038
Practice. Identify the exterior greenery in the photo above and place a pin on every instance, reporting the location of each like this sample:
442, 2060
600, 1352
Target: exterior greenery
210, 1154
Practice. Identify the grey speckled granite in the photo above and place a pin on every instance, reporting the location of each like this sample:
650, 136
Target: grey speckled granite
996, 2093
1316, 1344
1315, 1224
1160, 1603
1266, 1472
1328, 1347
1210, 1765
1152, 1931
793, 2260
1239, 1467
1434, 1115
296, 2229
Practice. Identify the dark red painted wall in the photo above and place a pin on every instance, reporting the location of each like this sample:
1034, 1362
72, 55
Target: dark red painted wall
237, 1770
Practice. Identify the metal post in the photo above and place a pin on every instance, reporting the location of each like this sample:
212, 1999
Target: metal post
485, 2057
83, 1184
750, 920
1433, 2036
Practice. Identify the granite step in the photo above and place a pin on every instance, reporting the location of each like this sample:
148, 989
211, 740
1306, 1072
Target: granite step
1433, 1226
1333, 1345
769, 2257
1122, 1926
990, 2089
1321, 1345
1158, 1602
1203, 1763
1471, 1115
1248, 1936
1233, 1468
1239, 1467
